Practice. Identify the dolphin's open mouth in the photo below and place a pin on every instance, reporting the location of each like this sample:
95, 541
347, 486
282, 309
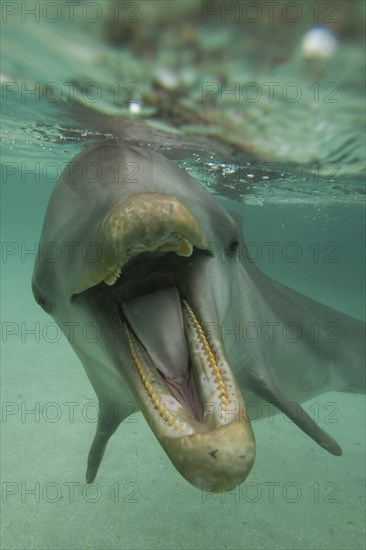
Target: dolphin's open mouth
175, 361
182, 378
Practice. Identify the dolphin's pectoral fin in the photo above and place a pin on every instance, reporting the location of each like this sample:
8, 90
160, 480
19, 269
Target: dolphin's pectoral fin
96, 454
107, 424
270, 391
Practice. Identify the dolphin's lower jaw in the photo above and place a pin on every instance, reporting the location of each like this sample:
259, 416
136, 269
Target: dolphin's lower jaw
187, 393
216, 461
213, 448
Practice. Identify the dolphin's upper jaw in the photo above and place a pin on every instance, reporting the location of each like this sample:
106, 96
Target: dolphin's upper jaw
190, 399
147, 222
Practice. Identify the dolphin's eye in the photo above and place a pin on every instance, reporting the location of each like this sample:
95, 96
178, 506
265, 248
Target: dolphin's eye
232, 248
45, 305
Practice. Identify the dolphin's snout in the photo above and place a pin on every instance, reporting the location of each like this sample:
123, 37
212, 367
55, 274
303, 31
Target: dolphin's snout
184, 383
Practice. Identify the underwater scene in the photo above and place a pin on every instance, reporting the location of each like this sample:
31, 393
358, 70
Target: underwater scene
183, 274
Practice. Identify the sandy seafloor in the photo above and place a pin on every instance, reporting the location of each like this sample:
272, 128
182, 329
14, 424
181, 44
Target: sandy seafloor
297, 496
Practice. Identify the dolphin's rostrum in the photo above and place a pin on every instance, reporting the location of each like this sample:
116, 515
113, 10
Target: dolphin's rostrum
139, 238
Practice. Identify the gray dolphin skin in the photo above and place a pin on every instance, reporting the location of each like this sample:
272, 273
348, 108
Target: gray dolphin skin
151, 261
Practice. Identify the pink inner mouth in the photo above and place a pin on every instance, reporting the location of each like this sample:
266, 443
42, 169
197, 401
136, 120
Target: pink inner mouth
157, 321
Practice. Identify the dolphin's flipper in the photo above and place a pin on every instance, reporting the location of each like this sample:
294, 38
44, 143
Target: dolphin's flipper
107, 424
271, 391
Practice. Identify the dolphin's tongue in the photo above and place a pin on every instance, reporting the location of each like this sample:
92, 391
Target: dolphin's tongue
157, 321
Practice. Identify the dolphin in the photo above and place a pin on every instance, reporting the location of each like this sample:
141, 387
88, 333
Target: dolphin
136, 251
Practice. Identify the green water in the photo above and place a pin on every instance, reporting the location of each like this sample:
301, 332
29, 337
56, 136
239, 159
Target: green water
297, 495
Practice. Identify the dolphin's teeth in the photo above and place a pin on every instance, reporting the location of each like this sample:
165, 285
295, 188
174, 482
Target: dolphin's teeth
208, 365
112, 277
173, 421
186, 248
175, 243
